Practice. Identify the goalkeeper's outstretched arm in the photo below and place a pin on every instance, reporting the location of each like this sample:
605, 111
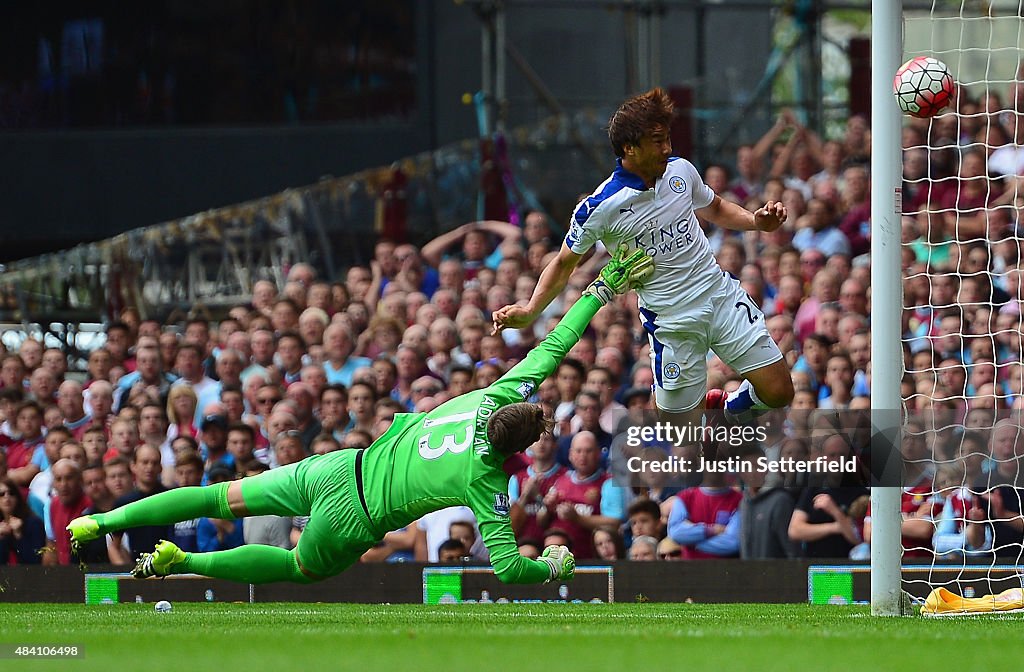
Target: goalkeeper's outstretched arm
619, 275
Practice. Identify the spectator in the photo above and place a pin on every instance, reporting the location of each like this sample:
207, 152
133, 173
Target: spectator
148, 376
189, 367
644, 519
435, 527
817, 230
361, 400
12, 372
290, 349
839, 383
240, 445
765, 513
588, 419
69, 502
181, 411
188, 472
289, 448
146, 471
325, 443
704, 520
71, 403
821, 522
302, 397
338, 346
229, 365
41, 485
669, 550
357, 439
312, 324
608, 544
215, 534
26, 456
583, 498
31, 353
214, 438
451, 551
644, 549
528, 487
22, 534
267, 530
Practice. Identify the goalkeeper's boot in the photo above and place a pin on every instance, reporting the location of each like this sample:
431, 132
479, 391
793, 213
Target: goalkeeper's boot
159, 562
83, 529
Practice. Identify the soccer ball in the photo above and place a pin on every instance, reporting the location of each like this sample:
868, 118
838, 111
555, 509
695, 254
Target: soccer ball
923, 87
163, 606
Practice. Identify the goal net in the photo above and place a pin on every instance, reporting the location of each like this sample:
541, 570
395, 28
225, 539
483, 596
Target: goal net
962, 262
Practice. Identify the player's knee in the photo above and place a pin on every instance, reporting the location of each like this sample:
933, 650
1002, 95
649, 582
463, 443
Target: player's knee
778, 392
301, 573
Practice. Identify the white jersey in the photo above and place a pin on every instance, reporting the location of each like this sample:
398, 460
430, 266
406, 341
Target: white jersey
662, 222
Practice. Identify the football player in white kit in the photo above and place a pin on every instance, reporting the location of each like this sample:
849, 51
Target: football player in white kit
690, 305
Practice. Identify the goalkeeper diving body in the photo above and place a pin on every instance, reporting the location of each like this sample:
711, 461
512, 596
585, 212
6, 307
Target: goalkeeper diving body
424, 462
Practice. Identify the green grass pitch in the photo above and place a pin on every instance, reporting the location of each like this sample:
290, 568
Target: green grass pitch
561, 638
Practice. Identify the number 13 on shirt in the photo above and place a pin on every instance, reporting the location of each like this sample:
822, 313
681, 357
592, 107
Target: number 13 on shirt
449, 441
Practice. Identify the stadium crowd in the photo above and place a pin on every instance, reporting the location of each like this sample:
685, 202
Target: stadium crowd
321, 365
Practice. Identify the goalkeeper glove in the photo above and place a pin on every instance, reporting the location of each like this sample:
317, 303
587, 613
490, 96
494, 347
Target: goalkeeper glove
620, 274
560, 561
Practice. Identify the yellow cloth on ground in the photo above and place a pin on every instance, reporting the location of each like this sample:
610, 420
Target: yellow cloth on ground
941, 602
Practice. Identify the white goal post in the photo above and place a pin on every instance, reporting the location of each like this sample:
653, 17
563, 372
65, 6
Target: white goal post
886, 306
947, 278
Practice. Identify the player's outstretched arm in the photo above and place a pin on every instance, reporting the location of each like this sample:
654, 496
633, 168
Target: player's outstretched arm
552, 281
729, 215
624, 271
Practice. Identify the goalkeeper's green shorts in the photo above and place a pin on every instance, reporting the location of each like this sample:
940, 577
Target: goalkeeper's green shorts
326, 489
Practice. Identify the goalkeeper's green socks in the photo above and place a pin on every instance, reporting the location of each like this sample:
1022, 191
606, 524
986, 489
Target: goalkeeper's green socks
167, 508
252, 563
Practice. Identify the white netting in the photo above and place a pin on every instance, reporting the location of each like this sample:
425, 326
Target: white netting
962, 264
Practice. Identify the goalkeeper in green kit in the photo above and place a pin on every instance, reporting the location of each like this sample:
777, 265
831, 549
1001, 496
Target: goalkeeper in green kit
423, 462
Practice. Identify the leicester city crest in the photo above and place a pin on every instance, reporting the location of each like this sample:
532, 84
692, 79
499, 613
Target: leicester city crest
672, 371
676, 184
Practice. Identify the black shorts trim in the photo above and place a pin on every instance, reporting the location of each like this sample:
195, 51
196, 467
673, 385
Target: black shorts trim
359, 483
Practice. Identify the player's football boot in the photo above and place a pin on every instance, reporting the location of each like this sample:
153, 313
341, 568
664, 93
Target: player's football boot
159, 562
82, 529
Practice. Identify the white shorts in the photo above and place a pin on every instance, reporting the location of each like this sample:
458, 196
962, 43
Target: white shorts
724, 320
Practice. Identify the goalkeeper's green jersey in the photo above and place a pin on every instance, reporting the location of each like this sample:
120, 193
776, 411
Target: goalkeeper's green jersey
430, 461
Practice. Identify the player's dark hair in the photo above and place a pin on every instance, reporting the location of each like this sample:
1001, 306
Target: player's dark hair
636, 117
515, 427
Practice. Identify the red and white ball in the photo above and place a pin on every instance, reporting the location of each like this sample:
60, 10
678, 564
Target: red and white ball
923, 87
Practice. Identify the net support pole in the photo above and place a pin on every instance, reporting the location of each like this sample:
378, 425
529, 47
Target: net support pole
886, 298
